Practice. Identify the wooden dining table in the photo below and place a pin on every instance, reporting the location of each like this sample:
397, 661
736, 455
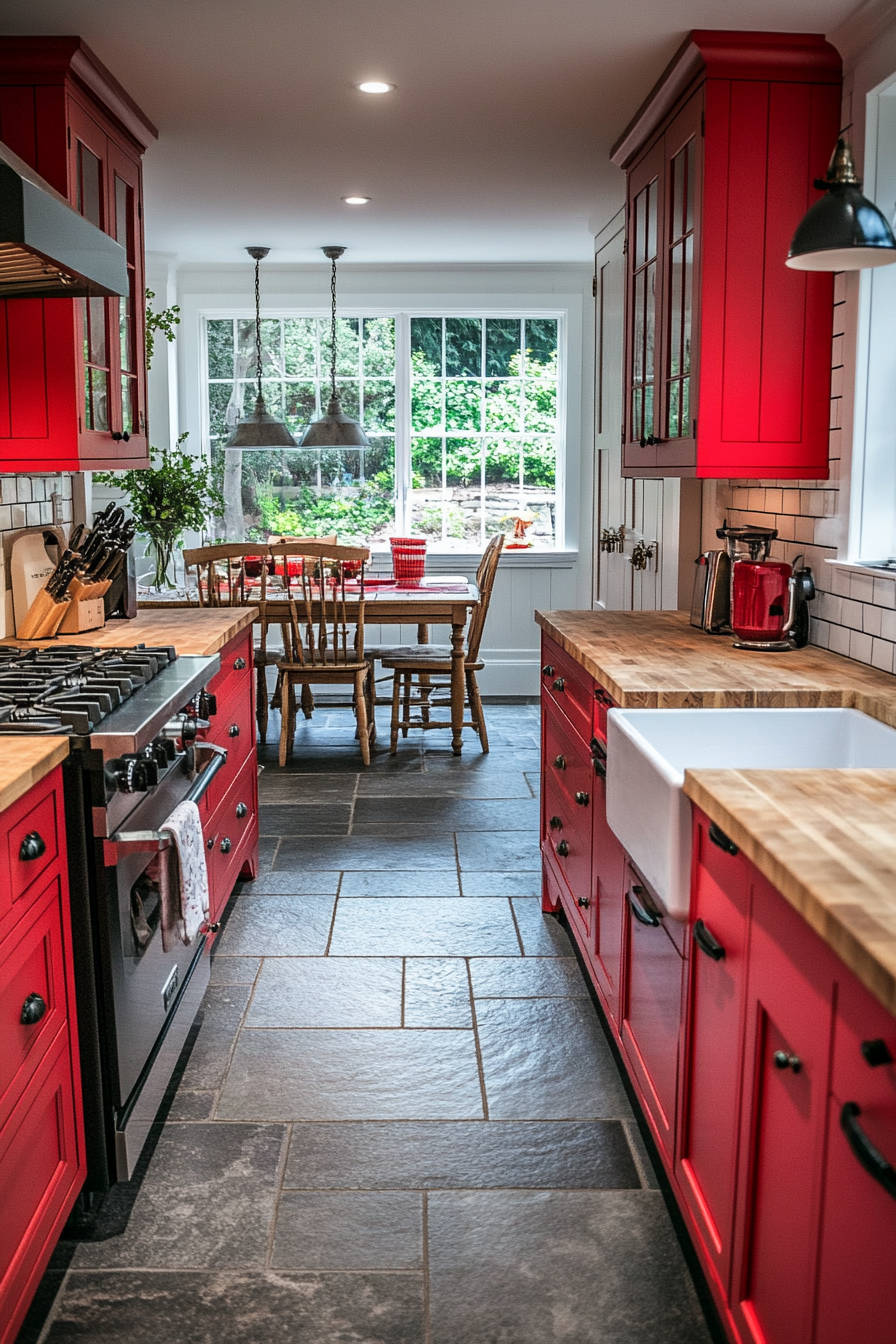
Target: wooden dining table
436, 601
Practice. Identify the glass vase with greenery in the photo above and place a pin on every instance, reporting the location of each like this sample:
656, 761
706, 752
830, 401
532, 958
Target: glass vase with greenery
177, 492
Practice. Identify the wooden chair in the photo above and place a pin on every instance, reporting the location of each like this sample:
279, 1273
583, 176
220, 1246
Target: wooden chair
326, 646
420, 670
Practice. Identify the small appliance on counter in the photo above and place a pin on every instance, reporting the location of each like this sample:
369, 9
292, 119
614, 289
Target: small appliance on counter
765, 602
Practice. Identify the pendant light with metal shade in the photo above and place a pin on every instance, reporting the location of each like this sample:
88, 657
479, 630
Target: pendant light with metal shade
843, 231
335, 429
259, 430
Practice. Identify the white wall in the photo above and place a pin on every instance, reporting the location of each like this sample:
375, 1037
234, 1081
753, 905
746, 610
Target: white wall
525, 581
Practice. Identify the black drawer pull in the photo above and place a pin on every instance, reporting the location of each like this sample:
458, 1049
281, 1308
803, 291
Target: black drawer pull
718, 837
563, 849
876, 1053
600, 766
582, 798
782, 1060
241, 810
559, 684
547, 670
226, 846
560, 762
641, 914
33, 846
706, 943
584, 902
33, 1010
239, 664
233, 730
555, 824
871, 1159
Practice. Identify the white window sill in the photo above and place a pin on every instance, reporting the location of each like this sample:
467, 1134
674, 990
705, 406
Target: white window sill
852, 567
459, 562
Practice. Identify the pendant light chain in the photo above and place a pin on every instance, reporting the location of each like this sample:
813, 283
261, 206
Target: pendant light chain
333, 330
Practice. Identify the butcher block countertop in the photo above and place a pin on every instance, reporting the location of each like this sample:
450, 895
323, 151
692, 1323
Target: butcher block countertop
24, 761
200, 631
827, 840
657, 660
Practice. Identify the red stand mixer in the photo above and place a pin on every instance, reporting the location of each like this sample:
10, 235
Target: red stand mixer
768, 597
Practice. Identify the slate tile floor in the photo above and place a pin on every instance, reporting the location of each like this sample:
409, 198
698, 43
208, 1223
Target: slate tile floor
400, 1121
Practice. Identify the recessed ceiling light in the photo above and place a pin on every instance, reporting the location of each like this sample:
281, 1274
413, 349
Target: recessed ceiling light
356, 200
375, 86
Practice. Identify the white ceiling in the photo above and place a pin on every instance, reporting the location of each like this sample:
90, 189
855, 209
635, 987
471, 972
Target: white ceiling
493, 148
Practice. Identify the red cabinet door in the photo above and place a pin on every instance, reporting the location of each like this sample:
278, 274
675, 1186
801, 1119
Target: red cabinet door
706, 1160
857, 1273
652, 1015
608, 885
786, 1078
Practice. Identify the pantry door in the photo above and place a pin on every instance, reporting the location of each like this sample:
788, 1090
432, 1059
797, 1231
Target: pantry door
664, 513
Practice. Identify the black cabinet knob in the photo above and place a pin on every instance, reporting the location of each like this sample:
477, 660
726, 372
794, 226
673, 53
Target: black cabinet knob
876, 1053
560, 762
32, 847
33, 1010
563, 849
121, 438
547, 670
233, 730
210, 843
239, 664
555, 824
584, 902
241, 810
782, 1060
226, 846
582, 798
559, 684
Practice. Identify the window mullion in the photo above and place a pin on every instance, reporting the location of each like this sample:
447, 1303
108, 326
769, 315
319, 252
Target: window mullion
402, 423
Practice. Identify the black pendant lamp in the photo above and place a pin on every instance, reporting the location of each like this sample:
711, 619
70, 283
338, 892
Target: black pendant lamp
843, 231
335, 429
259, 430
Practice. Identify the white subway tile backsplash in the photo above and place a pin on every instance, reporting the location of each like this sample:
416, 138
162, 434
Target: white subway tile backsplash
18, 515
861, 587
32, 515
841, 582
871, 618
23, 489
882, 655
884, 593
888, 625
819, 633
860, 646
851, 614
829, 607
5, 517
839, 640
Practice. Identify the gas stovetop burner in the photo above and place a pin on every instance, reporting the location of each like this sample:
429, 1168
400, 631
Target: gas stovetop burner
69, 689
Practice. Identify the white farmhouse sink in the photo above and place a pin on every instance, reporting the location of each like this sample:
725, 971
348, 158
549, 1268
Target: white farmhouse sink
648, 751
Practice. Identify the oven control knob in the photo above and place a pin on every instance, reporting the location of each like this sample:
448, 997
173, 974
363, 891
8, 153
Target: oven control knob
164, 752
204, 704
150, 765
185, 727
130, 775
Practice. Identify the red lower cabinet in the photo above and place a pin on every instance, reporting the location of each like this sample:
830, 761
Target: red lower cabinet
857, 1269
706, 1161
651, 1018
790, 1001
608, 869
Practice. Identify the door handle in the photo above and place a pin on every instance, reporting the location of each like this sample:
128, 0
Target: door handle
870, 1158
640, 912
721, 840
706, 943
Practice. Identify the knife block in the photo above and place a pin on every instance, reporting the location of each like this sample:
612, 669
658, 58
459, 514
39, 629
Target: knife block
85, 611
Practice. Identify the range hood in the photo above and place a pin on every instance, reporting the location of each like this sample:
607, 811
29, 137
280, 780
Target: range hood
48, 250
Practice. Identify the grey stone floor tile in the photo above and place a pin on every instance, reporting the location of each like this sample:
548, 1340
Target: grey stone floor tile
278, 926
547, 1059
434, 882
206, 1202
642, 1157
542, 935
234, 970
271, 1307
449, 813
290, 819
533, 779
437, 993
363, 854
527, 978
510, 883
446, 784
267, 850
497, 851
459, 1154
191, 1104
319, 1229
590, 1267
223, 1008
352, 1075
282, 786
402, 927
295, 882
327, 992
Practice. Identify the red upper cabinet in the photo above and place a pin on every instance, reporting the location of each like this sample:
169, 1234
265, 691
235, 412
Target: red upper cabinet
727, 351
74, 397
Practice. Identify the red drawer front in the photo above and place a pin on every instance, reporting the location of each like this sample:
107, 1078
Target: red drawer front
34, 829
566, 684
233, 727
41, 1171
566, 821
233, 832
603, 702
31, 963
236, 664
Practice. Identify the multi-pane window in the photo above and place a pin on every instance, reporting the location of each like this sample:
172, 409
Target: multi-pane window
308, 491
475, 446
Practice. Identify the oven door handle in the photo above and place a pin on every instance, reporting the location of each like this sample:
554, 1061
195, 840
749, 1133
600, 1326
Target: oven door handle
219, 758
153, 842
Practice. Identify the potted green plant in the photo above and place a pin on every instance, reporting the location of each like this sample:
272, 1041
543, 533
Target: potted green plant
177, 492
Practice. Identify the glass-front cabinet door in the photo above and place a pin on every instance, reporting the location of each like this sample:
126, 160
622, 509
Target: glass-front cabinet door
644, 289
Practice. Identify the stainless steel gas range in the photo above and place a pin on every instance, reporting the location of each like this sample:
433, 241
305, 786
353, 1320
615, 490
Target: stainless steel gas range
135, 718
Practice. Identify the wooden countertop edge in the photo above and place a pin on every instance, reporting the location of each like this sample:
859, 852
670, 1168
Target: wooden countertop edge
131, 632
55, 751
861, 958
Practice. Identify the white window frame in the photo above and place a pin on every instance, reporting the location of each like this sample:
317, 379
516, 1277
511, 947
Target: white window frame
402, 319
